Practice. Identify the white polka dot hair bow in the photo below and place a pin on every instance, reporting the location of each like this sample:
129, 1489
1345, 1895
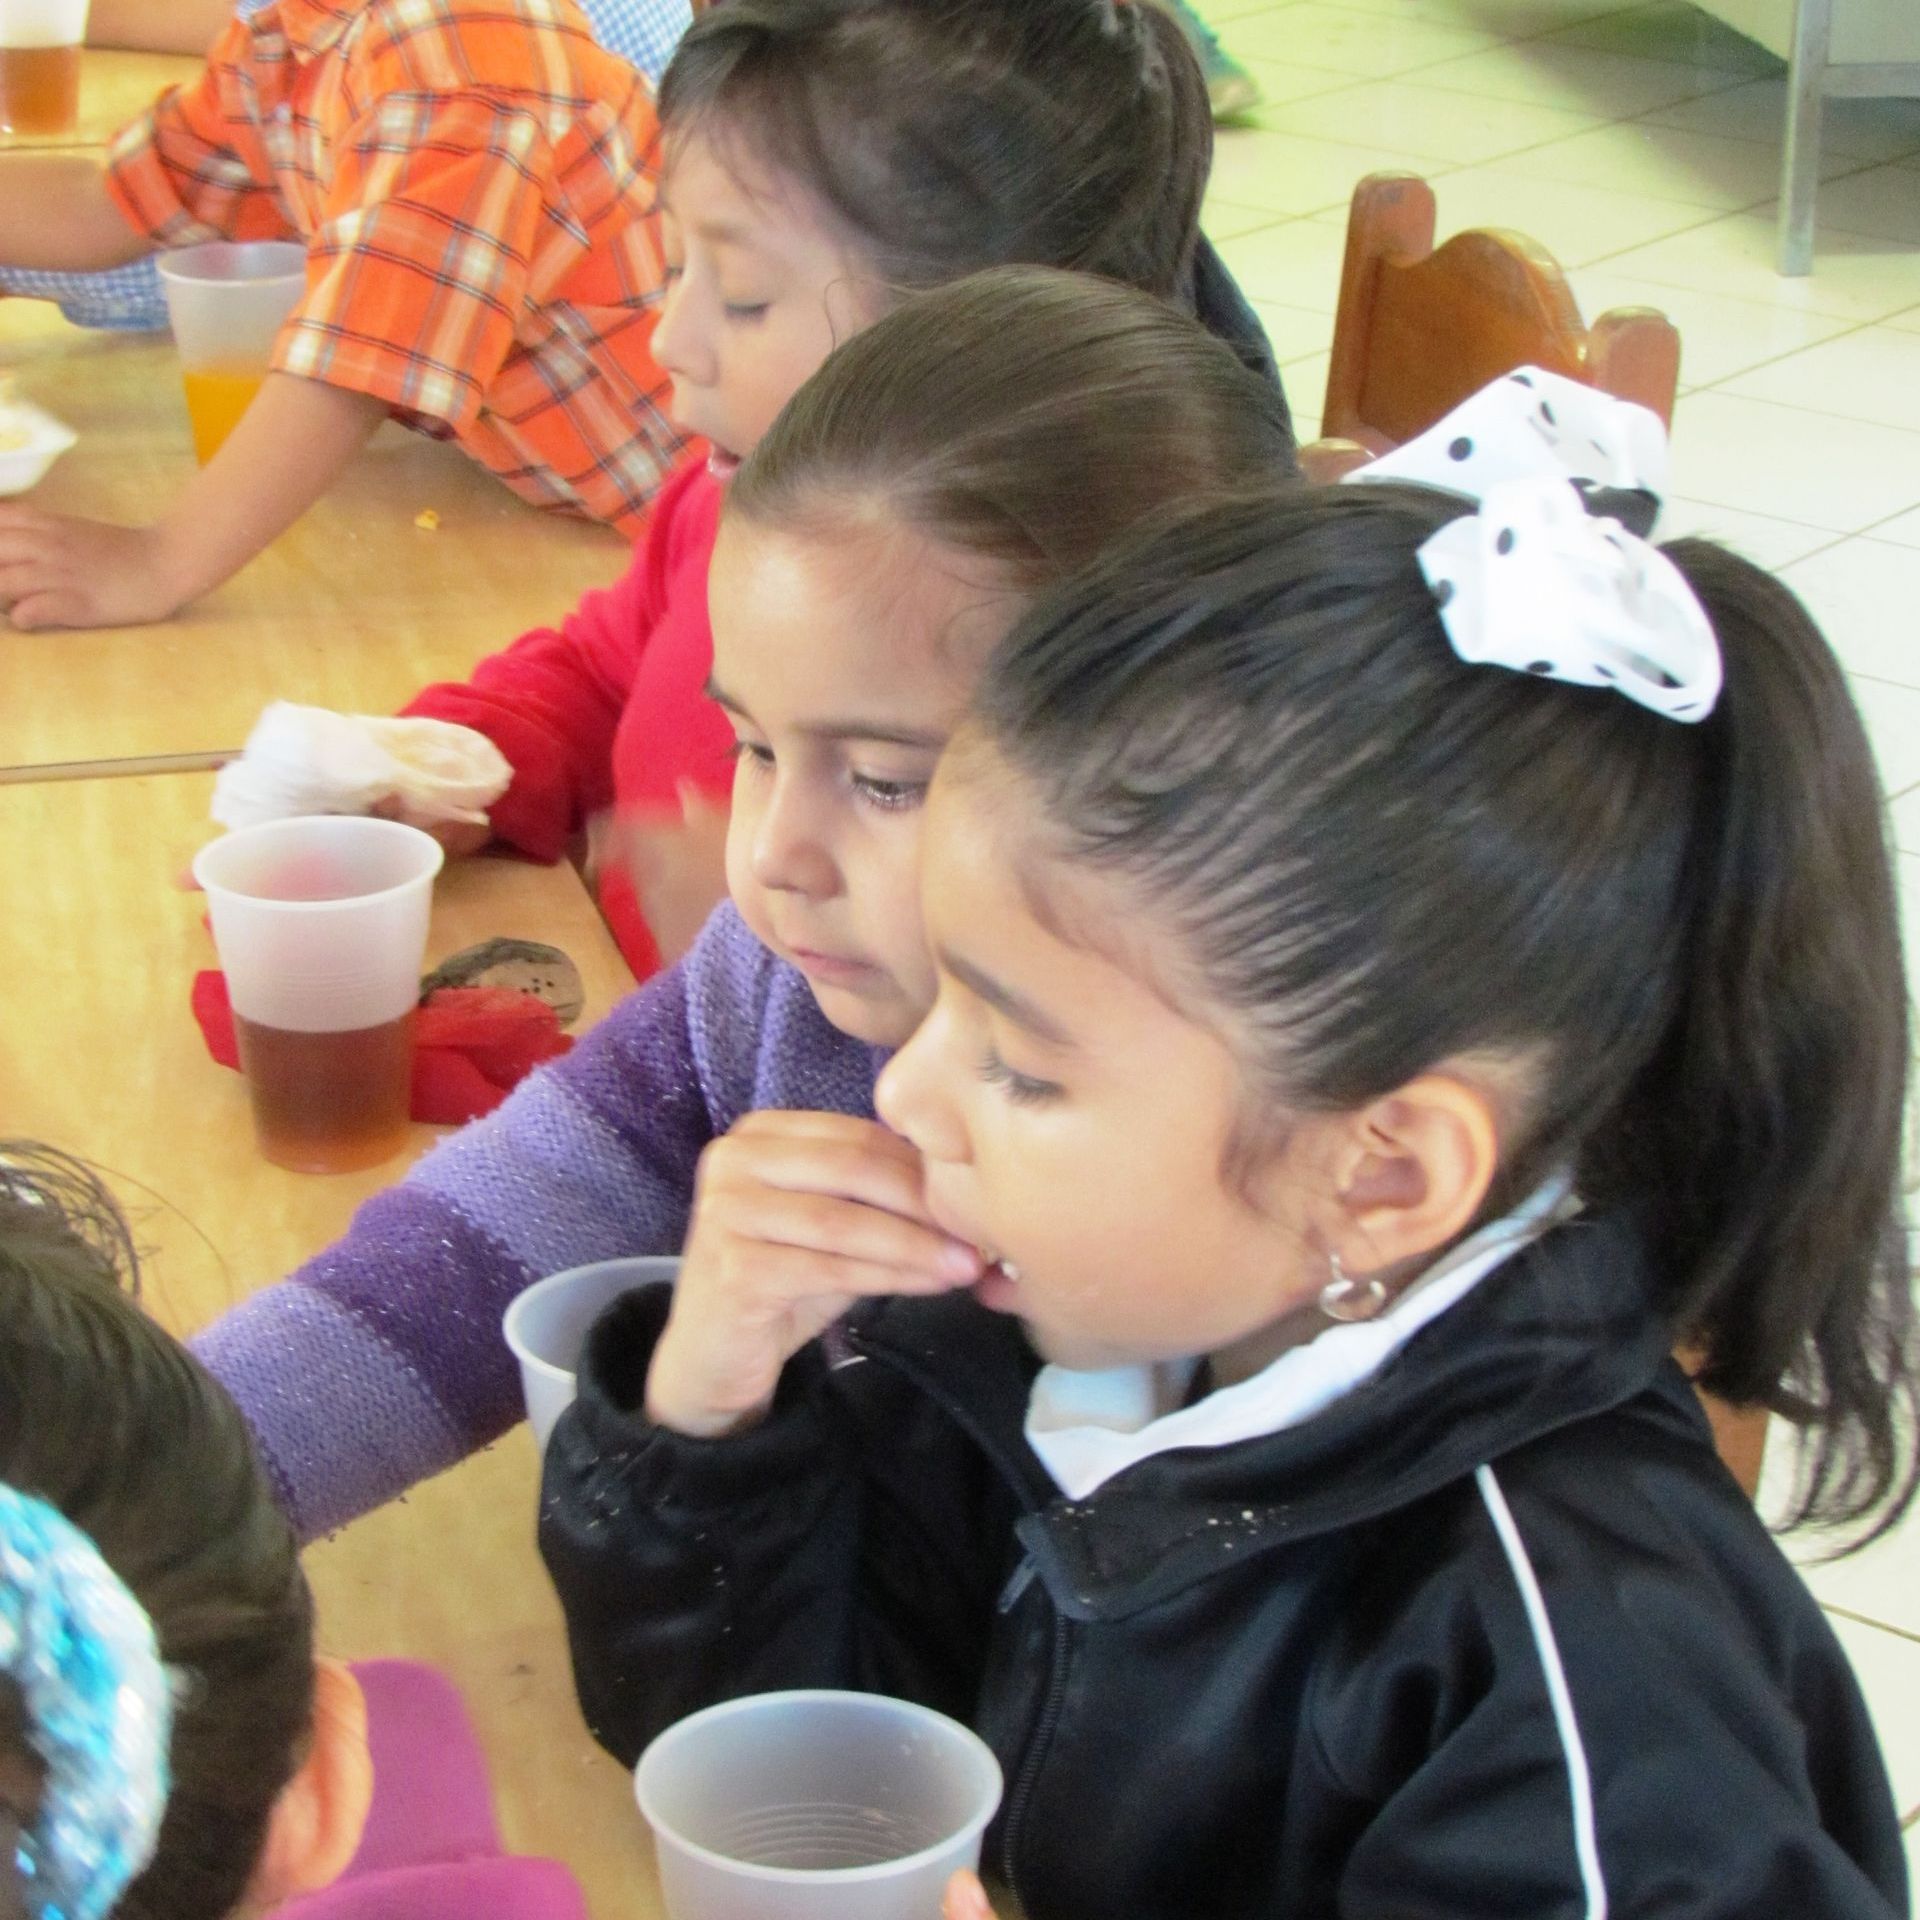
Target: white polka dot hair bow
1553, 575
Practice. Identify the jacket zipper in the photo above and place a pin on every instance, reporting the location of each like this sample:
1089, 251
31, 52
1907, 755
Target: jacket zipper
1022, 1795
1054, 1704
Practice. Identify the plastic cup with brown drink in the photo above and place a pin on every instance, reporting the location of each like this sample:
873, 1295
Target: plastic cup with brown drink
322, 926
226, 303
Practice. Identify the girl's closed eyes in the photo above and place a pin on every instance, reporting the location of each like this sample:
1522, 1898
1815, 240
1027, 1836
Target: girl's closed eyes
1021, 1088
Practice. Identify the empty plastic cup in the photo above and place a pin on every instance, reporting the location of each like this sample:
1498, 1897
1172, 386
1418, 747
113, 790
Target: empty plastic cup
40, 44
547, 1329
321, 926
815, 1806
227, 302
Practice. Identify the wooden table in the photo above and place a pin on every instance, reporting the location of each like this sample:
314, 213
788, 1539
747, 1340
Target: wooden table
355, 607
115, 87
100, 1054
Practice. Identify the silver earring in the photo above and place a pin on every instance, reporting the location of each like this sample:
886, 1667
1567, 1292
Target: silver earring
1345, 1298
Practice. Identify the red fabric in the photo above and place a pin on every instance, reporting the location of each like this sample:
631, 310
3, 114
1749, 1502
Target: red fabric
610, 708
472, 1045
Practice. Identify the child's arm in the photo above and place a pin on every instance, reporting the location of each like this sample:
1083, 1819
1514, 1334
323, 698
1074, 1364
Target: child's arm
552, 701
57, 215
381, 1361
287, 450
1708, 1755
157, 26
719, 1516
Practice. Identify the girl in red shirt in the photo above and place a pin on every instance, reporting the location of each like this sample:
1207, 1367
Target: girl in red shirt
824, 158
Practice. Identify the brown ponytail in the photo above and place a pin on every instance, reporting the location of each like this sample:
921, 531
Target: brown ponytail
949, 135
1026, 416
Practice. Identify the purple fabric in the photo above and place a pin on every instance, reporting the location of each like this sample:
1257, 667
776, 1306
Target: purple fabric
432, 1801
431, 1850
381, 1360
462, 1890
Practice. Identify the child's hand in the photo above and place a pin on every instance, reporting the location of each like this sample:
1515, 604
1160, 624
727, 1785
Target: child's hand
60, 572
458, 837
795, 1216
678, 867
966, 1899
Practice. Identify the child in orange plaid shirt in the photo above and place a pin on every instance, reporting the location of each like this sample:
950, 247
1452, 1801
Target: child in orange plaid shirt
475, 184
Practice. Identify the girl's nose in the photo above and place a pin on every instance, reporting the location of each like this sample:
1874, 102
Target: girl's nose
790, 853
682, 345
916, 1091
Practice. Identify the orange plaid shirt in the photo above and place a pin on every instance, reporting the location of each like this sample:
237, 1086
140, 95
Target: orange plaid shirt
475, 182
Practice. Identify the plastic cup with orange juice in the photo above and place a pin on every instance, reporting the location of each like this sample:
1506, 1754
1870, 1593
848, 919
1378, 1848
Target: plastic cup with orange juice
227, 301
40, 66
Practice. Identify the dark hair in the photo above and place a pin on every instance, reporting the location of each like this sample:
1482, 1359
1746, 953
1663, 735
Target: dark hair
1375, 859
949, 135
1025, 415
110, 1420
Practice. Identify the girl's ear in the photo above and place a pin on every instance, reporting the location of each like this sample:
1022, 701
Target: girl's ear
1412, 1169
317, 1822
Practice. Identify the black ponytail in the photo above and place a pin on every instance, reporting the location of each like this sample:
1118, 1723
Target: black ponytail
109, 1419
1767, 1126
1379, 859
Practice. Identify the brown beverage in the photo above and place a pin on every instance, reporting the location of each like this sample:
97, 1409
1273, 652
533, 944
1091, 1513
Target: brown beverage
329, 1102
39, 89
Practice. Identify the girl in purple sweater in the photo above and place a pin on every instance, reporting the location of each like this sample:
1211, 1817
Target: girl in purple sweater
969, 450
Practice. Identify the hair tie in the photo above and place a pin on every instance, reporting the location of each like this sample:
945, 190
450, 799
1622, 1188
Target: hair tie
98, 1709
1553, 574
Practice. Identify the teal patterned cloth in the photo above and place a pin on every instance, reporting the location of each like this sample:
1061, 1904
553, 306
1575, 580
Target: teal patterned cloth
98, 1708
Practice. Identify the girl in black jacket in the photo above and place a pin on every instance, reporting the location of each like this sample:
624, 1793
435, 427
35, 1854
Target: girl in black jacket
1406, 961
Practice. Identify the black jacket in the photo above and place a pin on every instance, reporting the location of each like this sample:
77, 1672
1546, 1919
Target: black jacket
1293, 1677
1220, 307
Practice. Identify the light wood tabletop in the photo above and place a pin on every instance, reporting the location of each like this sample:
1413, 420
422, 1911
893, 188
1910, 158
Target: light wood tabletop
100, 1054
115, 87
355, 607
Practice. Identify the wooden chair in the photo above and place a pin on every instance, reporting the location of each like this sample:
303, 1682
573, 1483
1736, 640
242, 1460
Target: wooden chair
1420, 328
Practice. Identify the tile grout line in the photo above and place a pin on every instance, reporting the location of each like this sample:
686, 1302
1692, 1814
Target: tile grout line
1846, 332
1601, 260
1796, 406
1866, 1620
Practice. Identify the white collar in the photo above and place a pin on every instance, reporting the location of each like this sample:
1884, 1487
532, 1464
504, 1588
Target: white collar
1088, 1427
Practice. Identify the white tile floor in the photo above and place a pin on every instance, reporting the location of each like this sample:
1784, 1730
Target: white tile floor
1640, 144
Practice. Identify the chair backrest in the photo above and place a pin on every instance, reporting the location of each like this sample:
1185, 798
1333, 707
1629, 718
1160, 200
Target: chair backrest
1419, 329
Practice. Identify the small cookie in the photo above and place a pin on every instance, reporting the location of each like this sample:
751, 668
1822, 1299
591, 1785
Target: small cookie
527, 966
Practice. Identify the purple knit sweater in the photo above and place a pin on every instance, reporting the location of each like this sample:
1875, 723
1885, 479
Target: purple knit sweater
381, 1361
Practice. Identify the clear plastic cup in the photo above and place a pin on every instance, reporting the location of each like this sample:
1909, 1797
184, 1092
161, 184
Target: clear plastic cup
40, 43
547, 1329
321, 926
815, 1806
226, 303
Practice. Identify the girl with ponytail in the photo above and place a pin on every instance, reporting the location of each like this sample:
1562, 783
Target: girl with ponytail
1408, 956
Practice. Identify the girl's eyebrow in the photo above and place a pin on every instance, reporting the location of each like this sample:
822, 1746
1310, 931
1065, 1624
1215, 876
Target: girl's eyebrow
881, 732
1002, 998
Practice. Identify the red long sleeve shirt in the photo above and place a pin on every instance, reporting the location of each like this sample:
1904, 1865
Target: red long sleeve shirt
610, 708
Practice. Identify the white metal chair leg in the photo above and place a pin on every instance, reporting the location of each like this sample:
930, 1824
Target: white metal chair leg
1800, 164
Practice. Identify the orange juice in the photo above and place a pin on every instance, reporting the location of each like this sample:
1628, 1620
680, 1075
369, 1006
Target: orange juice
216, 398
